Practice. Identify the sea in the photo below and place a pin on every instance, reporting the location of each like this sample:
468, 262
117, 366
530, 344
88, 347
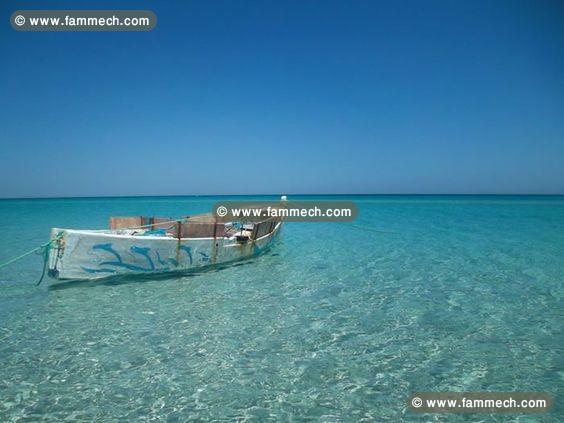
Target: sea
336, 322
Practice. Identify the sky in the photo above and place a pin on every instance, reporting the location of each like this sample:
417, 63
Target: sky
287, 97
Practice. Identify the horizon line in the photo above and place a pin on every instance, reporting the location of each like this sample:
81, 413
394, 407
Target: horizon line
301, 195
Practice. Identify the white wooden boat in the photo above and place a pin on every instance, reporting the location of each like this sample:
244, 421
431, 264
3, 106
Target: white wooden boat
137, 245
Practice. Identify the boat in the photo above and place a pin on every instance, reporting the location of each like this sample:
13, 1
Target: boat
152, 245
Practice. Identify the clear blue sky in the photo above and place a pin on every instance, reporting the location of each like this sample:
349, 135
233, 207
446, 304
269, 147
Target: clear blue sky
248, 97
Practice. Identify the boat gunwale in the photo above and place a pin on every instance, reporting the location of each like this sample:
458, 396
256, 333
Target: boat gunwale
104, 232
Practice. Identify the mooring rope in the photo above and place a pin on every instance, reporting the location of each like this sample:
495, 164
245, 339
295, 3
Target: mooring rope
45, 247
45, 261
17, 258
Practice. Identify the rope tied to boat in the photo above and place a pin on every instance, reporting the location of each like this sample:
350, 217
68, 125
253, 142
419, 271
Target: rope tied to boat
43, 249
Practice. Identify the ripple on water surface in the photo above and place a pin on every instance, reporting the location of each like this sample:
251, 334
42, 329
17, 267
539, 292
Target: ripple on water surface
334, 323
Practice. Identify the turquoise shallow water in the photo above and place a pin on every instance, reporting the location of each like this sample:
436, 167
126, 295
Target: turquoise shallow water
335, 323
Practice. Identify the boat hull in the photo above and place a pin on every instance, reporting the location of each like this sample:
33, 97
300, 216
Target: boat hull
85, 255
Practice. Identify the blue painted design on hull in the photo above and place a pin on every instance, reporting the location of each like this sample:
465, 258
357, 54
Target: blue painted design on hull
144, 251
204, 257
107, 247
162, 262
188, 251
119, 261
159, 259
